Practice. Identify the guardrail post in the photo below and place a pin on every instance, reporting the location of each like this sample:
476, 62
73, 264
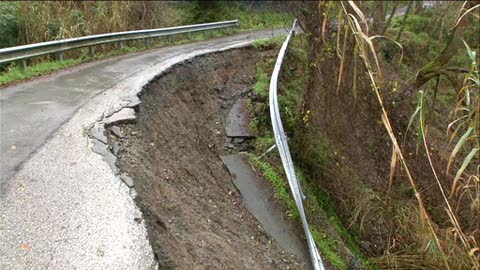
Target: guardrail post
23, 64
120, 44
91, 50
169, 39
147, 43
60, 56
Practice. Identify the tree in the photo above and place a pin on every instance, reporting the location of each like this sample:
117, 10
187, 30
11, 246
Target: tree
438, 66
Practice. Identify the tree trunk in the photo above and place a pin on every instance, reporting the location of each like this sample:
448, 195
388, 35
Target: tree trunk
418, 7
379, 17
404, 21
390, 18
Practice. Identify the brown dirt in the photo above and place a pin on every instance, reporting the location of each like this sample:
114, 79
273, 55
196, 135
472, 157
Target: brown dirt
194, 215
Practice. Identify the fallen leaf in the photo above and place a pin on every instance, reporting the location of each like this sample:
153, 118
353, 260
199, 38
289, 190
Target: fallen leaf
25, 247
13, 147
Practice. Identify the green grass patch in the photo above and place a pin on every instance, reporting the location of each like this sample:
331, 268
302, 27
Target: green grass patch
17, 74
263, 80
329, 247
268, 43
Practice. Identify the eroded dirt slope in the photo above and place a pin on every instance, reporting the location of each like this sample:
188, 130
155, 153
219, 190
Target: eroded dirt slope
194, 215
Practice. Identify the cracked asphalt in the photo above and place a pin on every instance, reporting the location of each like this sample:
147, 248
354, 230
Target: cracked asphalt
61, 206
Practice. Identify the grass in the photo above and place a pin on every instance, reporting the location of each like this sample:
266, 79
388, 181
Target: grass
329, 248
16, 74
268, 43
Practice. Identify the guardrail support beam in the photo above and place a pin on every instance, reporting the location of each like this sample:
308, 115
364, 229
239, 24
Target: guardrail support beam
147, 43
59, 56
23, 64
91, 50
120, 44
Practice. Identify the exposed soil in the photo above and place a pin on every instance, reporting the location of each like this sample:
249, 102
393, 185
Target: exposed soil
195, 217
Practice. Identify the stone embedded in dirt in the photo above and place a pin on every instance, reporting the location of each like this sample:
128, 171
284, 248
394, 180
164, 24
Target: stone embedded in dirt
238, 121
133, 193
116, 147
238, 140
124, 114
127, 180
229, 146
117, 131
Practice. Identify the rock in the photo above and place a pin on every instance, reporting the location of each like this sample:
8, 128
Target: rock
117, 131
356, 264
238, 140
133, 193
116, 147
127, 180
366, 245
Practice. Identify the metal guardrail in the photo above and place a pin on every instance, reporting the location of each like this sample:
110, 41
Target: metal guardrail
59, 46
284, 150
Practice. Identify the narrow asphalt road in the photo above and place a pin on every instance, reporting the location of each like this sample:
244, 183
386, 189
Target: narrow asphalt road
61, 206
30, 112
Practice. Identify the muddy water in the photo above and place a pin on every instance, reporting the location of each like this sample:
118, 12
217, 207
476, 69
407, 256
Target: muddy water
194, 214
257, 195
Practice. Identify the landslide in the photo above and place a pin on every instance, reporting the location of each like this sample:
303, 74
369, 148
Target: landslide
194, 215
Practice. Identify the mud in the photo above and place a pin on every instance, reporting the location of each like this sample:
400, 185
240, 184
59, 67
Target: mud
195, 217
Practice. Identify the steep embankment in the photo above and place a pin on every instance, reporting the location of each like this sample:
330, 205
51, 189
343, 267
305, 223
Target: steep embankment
194, 215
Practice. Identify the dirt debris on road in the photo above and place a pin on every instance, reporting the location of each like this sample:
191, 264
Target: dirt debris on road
194, 215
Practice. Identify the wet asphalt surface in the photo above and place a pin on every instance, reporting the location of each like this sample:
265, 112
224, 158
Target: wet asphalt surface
61, 206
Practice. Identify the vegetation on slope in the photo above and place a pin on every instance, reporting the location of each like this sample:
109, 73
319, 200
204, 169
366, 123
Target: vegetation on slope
32, 22
397, 107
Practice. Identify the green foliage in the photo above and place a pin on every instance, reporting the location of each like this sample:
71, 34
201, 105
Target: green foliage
9, 24
261, 86
249, 19
268, 43
16, 74
329, 248
415, 23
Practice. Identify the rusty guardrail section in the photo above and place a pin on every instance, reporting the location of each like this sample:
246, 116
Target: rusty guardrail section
284, 150
59, 46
